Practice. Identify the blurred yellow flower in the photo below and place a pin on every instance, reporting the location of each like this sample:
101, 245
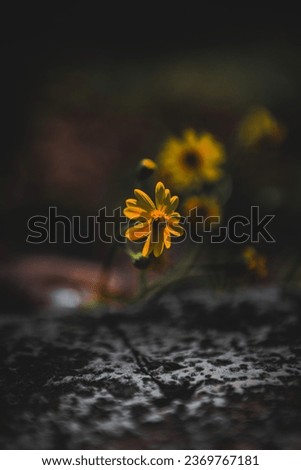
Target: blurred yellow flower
255, 262
206, 206
259, 125
155, 221
189, 162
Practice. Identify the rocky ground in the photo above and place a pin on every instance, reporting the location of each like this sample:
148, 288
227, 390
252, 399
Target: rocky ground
193, 370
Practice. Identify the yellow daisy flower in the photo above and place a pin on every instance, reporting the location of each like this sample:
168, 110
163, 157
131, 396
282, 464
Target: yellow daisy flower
189, 162
255, 262
155, 221
260, 125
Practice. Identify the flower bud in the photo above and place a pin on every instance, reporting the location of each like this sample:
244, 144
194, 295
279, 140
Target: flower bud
141, 262
146, 168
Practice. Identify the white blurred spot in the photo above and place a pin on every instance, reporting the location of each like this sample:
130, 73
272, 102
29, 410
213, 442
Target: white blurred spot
66, 297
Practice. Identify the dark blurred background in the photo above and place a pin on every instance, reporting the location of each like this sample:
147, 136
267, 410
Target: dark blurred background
87, 92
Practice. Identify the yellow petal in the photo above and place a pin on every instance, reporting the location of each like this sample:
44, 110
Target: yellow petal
167, 241
176, 230
167, 197
158, 247
135, 213
131, 202
190, 137
212, 173
144, 200
160, 194
174, 202
148, 247
138, 231
174, 218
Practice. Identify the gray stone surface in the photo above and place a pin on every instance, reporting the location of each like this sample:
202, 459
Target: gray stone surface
193, 370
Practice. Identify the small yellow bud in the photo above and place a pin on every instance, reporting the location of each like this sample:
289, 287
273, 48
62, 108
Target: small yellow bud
146, 168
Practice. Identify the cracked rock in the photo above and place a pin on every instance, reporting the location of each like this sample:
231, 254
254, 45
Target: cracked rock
218, 372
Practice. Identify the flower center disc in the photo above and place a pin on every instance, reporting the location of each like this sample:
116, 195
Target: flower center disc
191, 160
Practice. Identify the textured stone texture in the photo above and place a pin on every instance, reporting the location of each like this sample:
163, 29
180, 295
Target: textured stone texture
193, 370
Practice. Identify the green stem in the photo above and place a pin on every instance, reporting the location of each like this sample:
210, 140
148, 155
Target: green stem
108, 261
142, 282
